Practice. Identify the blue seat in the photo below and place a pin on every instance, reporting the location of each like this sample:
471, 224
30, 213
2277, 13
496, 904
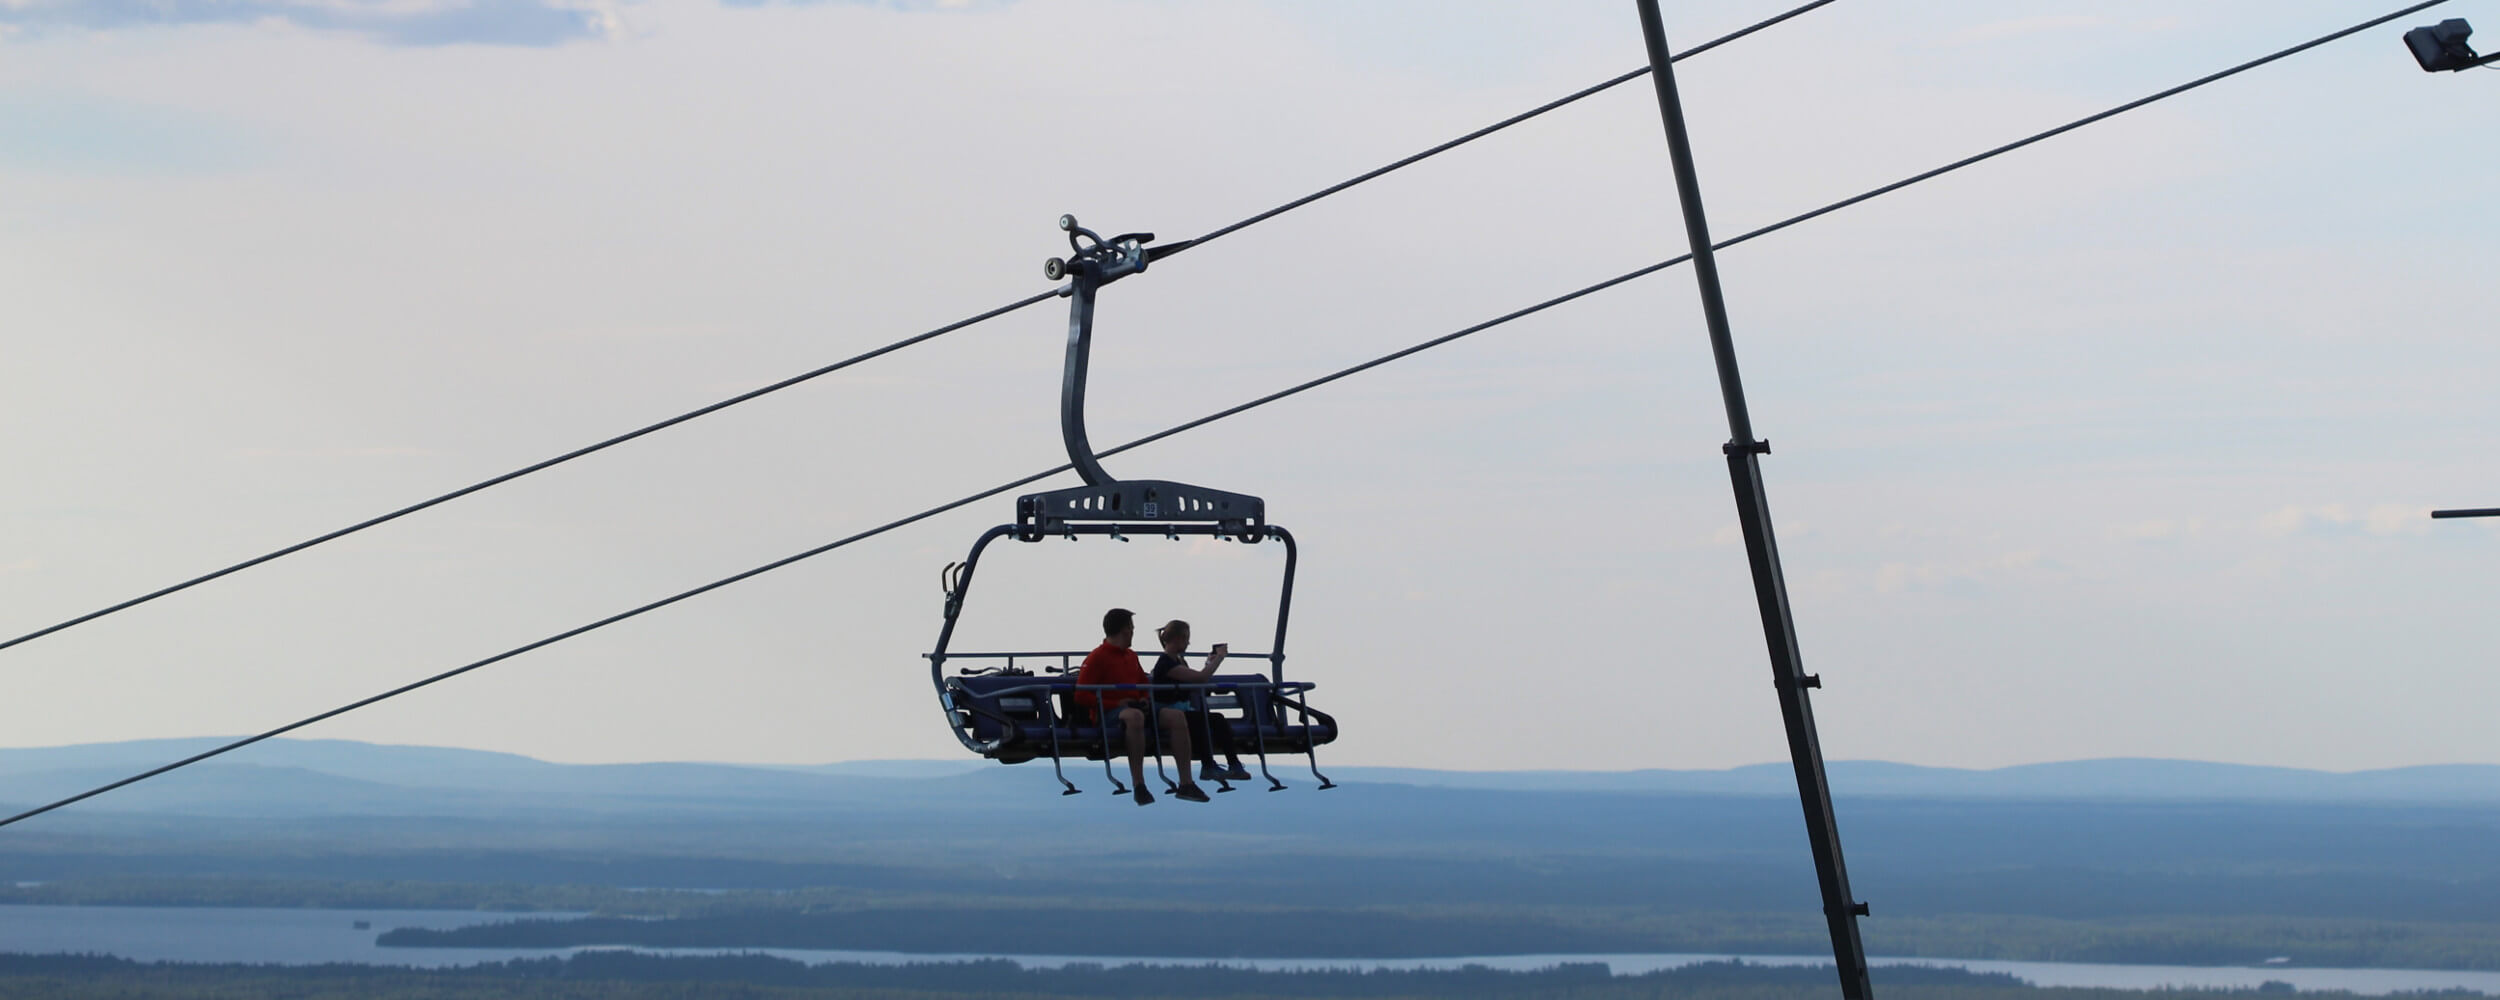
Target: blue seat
1022, 717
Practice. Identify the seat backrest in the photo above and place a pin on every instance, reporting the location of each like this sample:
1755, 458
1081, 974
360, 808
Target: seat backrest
1251, 701
1020, 705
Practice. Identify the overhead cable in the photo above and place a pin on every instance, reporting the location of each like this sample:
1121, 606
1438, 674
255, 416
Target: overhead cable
1212, 417
889, 348
1541, 109
531, 468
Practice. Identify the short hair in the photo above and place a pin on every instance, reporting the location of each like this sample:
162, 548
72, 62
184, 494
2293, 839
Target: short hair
1118, 620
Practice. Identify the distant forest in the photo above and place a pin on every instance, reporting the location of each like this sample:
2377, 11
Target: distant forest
629, 976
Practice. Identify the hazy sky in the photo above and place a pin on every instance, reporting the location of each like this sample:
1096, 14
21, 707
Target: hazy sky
2119, 446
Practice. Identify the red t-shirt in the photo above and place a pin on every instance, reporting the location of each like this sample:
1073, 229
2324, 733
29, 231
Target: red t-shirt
1109, 664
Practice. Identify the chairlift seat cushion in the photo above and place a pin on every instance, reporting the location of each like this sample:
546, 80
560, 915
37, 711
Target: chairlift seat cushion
1275, 722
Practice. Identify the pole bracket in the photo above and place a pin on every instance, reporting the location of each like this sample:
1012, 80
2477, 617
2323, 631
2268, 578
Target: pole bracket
1734, 448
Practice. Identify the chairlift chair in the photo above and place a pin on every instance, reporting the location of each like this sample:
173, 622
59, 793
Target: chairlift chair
996, 703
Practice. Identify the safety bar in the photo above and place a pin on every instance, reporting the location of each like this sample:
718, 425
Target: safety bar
1065, 657
1082, 652
1278, 687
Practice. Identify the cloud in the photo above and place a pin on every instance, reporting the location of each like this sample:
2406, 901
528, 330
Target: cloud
1997, 30
1966, 578
902, 5
328, 453
423, 23
2335, 518
2159, 530
94, 136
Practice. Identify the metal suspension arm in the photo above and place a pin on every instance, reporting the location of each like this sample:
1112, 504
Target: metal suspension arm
1095, 263
1072, 379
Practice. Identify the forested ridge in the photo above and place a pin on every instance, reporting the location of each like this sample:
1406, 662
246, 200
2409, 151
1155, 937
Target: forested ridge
631, 976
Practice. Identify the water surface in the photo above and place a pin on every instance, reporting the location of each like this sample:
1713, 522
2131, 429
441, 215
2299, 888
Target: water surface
312, 937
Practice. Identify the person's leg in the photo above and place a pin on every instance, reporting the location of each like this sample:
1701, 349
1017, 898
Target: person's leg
1214, 733
1133, 722
1220, 738
1176, 729
1198, 736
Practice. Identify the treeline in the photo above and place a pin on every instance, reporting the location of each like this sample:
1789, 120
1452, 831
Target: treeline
2315, 942
339, 894
634, 976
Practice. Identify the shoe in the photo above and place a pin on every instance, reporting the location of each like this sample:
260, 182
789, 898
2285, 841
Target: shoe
1190, 793
1237, 772
1144, 797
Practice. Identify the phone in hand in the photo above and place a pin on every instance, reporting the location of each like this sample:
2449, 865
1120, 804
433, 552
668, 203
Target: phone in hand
1223, 649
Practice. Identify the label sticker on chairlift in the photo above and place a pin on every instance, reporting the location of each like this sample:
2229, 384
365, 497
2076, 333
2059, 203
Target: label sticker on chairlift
1152, 509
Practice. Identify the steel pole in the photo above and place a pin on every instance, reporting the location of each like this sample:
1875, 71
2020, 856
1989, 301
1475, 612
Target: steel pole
1753, 512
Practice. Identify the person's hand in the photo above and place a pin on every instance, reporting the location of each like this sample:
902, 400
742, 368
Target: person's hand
1216, 655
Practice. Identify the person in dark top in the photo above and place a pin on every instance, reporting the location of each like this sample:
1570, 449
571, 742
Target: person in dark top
1173, 668
1114, 662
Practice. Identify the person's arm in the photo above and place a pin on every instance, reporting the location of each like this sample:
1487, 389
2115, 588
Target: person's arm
1184, 674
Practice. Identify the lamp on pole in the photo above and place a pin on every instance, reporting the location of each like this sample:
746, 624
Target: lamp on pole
2441, 48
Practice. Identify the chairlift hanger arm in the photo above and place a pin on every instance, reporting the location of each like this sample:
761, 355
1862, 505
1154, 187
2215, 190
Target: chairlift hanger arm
1095, 261
1092, 263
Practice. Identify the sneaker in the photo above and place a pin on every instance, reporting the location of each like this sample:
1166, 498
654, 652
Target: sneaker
1144, 797
1236, 772
1190, 793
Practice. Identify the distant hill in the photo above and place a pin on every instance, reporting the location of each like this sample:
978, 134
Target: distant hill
2121, 778
282, 777
2075, 840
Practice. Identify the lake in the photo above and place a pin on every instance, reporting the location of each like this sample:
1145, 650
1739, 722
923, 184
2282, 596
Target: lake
309, 937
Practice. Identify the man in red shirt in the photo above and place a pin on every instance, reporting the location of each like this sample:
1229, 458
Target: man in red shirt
1114, 662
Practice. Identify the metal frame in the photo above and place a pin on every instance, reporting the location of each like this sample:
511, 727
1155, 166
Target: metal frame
959, 577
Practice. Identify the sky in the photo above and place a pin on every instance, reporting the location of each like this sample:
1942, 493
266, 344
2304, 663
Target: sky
2122, 445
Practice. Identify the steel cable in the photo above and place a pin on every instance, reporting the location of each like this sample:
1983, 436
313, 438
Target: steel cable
1541, 109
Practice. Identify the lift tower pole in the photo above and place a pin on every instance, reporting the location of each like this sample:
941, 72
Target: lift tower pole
1753, 511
